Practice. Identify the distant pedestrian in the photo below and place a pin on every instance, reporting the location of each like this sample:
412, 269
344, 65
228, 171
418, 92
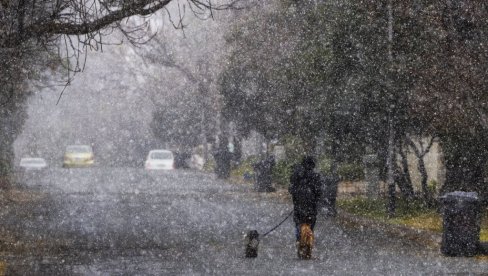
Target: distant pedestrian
263, 171
222, 158
305, 189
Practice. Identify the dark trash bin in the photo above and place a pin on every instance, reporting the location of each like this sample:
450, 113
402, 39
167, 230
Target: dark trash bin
461, 224
263, 173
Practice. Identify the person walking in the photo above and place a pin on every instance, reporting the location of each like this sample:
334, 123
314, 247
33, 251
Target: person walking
306, 192
222, 158
263, 170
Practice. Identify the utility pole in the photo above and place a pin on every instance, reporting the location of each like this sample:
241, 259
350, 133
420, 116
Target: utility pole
391, 117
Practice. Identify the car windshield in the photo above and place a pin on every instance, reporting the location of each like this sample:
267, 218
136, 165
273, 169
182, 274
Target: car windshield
78, 149
32, 162
161, 155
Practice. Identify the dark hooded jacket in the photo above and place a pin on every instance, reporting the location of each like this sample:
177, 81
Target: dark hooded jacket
305, 191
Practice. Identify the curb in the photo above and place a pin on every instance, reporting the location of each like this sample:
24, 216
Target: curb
423, 237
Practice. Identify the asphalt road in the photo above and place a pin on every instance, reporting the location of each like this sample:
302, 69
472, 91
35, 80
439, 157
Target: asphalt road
125, 221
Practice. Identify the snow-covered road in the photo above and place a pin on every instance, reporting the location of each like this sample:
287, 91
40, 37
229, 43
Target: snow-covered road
126, 221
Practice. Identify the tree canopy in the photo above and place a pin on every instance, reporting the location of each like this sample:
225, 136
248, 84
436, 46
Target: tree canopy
325, 68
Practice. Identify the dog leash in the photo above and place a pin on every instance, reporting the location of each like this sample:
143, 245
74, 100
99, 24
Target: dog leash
274, 228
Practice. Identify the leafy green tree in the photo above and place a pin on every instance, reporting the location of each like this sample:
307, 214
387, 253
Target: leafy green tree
304, 73
326, 69
447, 60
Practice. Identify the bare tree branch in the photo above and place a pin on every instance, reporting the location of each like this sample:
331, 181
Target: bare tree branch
70, 17
420, 153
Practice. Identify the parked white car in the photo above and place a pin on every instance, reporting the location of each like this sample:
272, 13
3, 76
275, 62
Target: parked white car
30, 163
160, 160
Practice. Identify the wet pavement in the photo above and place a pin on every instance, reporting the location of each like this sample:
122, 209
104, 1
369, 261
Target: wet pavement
126, 221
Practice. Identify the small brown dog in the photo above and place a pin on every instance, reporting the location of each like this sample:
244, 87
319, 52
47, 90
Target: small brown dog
305, 244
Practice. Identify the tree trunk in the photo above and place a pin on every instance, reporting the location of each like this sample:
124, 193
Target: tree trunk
405, 182
237, 149
203, 130
6, 157
465, 160
12, 109
420, 152
426, 194
391, 172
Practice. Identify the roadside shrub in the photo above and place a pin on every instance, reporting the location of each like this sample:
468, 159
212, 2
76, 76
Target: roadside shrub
350, 172
410, 213
245, 168
293, 147
209, 166
4, 168
324, 164
346, 171
375, 208
432, 186
282, 172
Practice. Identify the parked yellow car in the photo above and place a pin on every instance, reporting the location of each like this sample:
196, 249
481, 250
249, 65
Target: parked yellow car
78, 156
